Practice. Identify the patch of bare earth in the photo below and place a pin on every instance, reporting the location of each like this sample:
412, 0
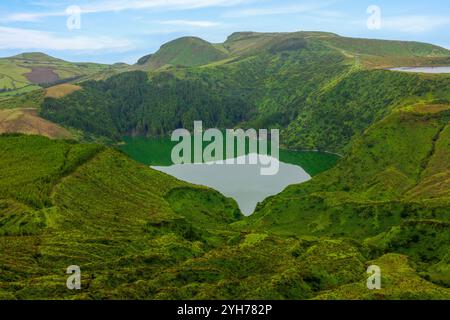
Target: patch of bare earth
41, 75
27, 121
61, 90
430, 108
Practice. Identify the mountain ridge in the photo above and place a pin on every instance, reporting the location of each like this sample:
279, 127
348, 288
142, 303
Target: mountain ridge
291, 84
247, 42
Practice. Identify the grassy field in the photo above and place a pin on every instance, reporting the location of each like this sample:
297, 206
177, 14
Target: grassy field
61, 90
16, 73
93, 206
187, 51
27, 121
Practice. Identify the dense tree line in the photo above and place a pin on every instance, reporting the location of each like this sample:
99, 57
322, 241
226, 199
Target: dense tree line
317, 98
130, 103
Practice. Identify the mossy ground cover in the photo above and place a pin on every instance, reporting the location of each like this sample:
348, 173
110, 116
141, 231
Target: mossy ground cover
65, 203
368, 194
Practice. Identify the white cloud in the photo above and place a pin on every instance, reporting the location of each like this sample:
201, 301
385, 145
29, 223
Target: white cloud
29, 17
190, 23
268, 11
26, 39
121, 5
330, 14
414, 24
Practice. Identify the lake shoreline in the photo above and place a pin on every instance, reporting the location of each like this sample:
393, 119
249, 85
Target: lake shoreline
424, 70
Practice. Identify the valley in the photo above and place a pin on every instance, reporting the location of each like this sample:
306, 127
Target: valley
367, 181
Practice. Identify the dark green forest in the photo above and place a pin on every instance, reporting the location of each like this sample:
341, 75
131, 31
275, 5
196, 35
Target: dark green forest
317, 97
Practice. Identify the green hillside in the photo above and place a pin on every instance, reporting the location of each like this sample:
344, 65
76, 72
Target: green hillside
400, 156
29, 71
137, 233
391, 191
386, 54
187, 52
63, 203
302, 83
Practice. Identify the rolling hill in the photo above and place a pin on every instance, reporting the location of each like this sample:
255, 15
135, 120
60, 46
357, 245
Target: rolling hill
27, 121
188, 52
372, 53
303, 83
391, 191
139, 234
30, 71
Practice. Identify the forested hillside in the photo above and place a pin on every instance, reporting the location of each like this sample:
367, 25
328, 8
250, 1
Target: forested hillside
130, 104
302, 83
391, 191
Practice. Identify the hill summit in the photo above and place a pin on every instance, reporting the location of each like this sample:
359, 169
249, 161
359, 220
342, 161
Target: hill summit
187, 51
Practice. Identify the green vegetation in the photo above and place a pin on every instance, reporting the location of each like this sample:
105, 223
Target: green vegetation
157, 152
64, 203
188, 52
367, 196
129, 104
139, 234
27, 72
303, 83
27, 99
389, 161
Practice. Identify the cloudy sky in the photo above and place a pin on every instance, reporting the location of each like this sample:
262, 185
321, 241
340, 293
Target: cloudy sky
123, 30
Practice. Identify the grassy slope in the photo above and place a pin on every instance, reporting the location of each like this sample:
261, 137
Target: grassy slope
188, 51
64, 204
61, 90
391, 190
137, 233
304, 83
13, 72
374, 53
27, 121
399, 282
390, 160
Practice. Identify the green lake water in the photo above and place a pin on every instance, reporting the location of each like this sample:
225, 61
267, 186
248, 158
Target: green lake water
244, 183
157, 151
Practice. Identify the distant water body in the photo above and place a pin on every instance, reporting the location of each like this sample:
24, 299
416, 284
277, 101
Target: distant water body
435, 70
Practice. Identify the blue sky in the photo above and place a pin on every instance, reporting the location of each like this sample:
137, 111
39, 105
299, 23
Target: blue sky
124, 30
